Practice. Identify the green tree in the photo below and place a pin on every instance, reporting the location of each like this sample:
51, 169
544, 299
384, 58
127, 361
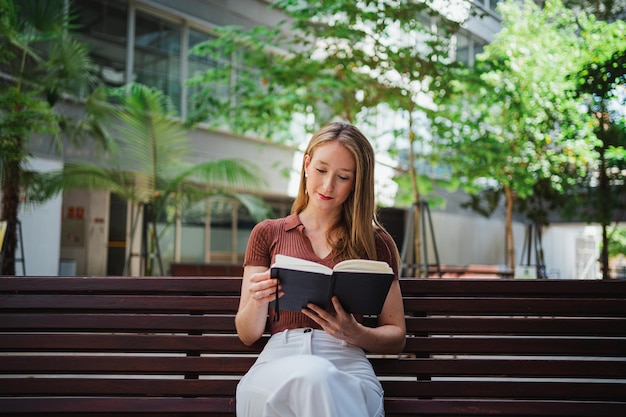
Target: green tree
44, 62
608, 10
602, 193
617, 244
341, 60
150, 167
514, 121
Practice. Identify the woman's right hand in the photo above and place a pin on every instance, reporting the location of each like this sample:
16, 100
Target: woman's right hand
258, 288
262, 287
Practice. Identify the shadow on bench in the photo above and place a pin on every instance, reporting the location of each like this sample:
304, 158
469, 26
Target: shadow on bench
124, 346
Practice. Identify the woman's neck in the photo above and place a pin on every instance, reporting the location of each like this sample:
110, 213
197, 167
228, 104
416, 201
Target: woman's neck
317, 222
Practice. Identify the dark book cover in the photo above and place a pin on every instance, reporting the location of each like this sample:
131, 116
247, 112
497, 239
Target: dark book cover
359, 292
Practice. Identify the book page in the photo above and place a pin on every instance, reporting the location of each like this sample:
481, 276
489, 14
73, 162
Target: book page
290, 262
363, 265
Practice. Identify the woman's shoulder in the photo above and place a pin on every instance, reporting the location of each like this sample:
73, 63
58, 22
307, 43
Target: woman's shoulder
386, 248
278, 225
382, 236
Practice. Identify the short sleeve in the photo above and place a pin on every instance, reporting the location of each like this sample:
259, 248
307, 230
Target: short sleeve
258, 248
387, 250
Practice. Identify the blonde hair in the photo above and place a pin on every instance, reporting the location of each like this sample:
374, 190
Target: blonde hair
353, 235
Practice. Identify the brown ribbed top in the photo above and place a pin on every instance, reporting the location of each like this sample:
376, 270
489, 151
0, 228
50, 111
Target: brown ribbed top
286, 236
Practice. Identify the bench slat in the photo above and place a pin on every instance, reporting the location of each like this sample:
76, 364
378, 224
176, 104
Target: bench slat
133, 343
63, 322
410, 286
119, 406
226, 323
611, 307
147, 303
583, 391
116, 386
500, 368
121, 285
517, 326
488, 306
196, 406
219, 387
516, 346
212, 343
504, 288
127, 365
238, 365
516, 408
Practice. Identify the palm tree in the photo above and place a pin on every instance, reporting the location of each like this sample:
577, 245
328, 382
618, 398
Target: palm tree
43, 62
148, 166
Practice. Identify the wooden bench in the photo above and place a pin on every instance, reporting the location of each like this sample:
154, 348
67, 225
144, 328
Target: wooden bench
192, 269
121, 346
469, 271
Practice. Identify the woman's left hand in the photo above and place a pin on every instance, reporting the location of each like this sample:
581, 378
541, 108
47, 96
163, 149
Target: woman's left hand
339, 324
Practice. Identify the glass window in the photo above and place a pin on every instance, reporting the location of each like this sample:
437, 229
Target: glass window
493, 4
197, 64
157, 55
102, 25
468, 47
221, 225
462, 49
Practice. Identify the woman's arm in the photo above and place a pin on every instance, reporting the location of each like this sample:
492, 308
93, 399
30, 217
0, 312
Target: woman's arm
257, 290
390, 335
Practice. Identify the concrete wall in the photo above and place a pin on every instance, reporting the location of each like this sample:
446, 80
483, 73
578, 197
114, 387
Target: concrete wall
41, 230
273, 161
85, 222
246, 13
464, 240
572, 250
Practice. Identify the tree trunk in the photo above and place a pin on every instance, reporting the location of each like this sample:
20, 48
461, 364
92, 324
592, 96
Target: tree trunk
604, 255
510, 244
10, 206
417, 232
605, 213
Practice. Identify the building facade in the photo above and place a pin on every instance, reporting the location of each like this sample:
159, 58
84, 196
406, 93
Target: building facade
147, 41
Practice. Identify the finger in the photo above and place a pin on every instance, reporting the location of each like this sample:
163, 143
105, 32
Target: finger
263, 291
337, 305
314, 316
259, 294
315, 309
260, 277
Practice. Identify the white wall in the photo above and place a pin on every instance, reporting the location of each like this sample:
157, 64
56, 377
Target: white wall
464, 240
571, 250
41, 229
563, 254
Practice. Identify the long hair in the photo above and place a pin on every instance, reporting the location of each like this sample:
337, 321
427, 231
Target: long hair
353, 235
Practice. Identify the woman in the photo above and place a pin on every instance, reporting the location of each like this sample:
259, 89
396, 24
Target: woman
314, 364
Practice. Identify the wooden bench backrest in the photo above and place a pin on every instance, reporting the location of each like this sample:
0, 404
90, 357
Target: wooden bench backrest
167, 346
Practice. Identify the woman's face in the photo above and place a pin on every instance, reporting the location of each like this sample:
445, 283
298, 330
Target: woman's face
331, 172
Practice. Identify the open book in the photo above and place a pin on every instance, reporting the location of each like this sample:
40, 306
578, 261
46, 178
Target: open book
360, 284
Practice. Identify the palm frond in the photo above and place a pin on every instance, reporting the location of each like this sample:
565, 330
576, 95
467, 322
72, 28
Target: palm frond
256, 206
151, 139
46, 16
69, 68
86, 176
93, 124
225, 174
15, 38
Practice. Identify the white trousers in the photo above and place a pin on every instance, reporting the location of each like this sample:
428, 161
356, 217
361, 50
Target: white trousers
308, 373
